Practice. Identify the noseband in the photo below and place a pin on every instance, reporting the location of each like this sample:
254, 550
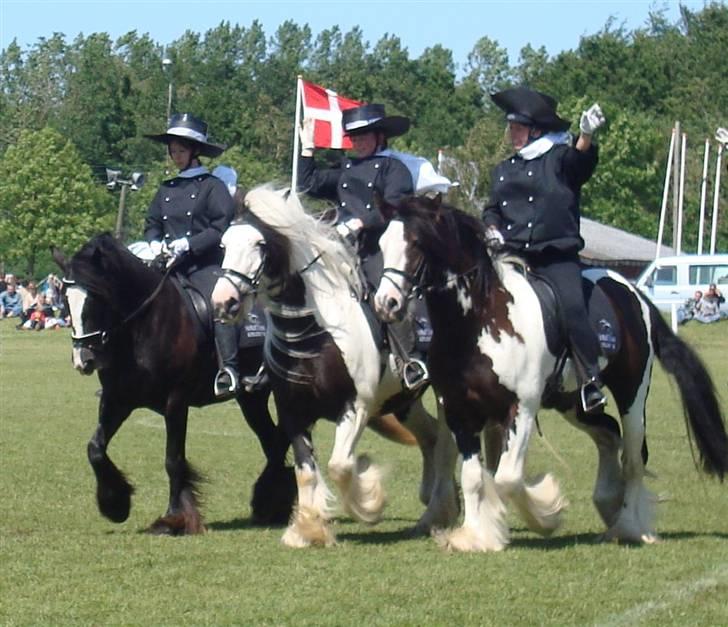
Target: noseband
243, 283
414, 280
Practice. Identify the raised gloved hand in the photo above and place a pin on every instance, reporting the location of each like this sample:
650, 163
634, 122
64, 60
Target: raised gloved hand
722, 135
494, 238
307, 130
156, 247
591, 120
179, 246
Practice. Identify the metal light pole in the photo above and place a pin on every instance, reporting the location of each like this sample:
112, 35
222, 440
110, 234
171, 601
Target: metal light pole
113, 178
167, 68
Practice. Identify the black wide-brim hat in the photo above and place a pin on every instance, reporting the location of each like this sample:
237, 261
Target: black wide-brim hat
371, 118
529, 106
187, 126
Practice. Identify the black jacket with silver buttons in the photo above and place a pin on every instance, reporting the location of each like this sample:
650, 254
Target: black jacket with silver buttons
198, 208
352, 186
535, 203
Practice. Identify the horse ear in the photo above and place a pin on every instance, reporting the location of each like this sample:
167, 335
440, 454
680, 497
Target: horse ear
58, 257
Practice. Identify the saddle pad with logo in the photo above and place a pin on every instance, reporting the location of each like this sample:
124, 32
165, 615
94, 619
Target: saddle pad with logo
602, 316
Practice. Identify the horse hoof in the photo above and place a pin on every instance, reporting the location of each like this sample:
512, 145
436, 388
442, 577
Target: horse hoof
176, 525
274, 495
115, 505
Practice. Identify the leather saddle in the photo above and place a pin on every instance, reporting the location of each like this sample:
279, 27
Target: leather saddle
252, 328
602, 316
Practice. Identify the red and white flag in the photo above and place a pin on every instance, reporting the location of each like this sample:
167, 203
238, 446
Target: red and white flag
325, 107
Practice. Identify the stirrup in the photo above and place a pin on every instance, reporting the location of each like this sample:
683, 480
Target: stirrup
597, 401
414, 374
223, 388
256, 381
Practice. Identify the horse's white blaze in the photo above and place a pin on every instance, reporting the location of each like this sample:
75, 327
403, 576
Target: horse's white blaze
76, 297
243, 252
393, 246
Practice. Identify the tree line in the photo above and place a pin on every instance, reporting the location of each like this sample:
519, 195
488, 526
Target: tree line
69, 110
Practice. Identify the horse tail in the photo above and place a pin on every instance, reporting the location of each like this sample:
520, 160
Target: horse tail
699, 398
391, 429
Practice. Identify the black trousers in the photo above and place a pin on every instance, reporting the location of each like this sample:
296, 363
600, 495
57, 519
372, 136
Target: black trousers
563, 272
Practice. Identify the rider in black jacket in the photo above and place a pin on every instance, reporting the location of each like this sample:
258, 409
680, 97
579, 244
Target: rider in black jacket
186, 220
534, 211
353, 186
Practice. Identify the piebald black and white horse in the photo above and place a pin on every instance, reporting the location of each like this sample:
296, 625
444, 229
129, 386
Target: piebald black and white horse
324, 362
494, 364
132, 327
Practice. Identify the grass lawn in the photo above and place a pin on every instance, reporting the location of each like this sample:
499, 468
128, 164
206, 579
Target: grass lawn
63, 564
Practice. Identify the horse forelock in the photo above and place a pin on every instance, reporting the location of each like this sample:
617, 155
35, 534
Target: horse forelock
107, 270
312, 244
451, 239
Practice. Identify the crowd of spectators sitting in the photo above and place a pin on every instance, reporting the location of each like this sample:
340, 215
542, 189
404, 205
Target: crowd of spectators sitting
35, 306
703, 306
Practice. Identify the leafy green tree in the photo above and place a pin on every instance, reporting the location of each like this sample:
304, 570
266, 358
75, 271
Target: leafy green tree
48, 196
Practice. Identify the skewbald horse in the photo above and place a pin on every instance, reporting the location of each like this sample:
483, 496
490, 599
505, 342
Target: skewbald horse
323, 361
490, 360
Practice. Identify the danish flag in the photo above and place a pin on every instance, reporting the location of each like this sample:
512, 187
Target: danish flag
325, 107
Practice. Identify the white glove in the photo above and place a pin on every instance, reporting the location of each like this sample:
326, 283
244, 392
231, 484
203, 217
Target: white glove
156, 247
722, 135
307, 129
494, 238
179, 246
350, 227
591, 120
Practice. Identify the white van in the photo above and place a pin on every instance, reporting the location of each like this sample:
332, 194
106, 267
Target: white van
672, 280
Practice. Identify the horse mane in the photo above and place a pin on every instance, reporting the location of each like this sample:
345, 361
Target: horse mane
448, 237
105, 268
313, 245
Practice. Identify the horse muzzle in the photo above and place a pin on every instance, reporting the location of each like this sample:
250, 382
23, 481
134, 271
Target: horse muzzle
387, 306
83, 360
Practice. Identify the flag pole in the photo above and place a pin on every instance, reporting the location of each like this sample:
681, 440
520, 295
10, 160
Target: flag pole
296, 134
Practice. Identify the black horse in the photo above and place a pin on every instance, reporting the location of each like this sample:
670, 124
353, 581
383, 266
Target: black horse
131, 325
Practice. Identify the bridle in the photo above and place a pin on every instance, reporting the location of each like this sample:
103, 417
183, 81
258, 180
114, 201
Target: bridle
96, 340
417, 285
413, 280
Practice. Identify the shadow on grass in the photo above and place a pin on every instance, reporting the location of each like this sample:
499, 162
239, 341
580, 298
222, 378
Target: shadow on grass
241, 524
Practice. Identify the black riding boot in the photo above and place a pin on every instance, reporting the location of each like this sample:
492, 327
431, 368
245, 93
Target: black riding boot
227, 380
403, 339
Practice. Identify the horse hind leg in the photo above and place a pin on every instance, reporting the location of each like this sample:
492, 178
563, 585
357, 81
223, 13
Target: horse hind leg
603, 429
635, 521
358, 479
310, 522
438, 489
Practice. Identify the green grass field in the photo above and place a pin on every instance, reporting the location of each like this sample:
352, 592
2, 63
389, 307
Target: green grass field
63, 564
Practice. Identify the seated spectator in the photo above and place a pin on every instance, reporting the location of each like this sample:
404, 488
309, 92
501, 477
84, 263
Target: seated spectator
11, 304
710, 305
688, 310
40, 315
29, 296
